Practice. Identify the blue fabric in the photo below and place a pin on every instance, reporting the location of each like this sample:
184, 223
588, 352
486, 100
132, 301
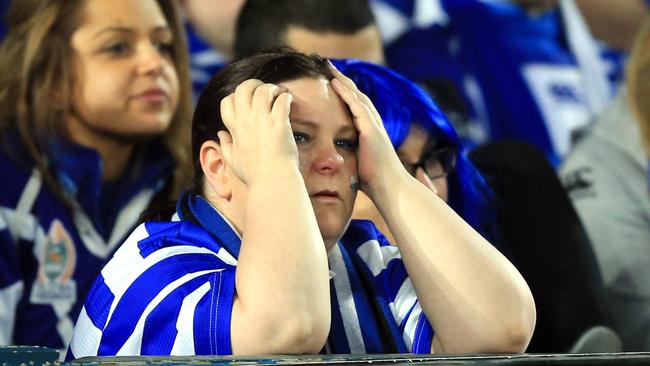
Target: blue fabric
51, 222
102, 297
79, 171
171, 251
490, 44
364, 285
201, 211
160, 327
4, 6
205, 62
381, 289
495, 56
131, 306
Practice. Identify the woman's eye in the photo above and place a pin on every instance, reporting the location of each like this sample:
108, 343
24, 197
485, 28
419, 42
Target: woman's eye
119, 48
165, 48
348, 144
300, 137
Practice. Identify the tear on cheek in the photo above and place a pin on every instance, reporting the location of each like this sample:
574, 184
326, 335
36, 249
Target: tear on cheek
302, 166
354, 184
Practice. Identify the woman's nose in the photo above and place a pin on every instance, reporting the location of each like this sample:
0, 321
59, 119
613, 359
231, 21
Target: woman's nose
150, 59
327, 160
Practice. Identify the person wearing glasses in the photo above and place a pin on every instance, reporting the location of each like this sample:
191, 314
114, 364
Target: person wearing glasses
427, 146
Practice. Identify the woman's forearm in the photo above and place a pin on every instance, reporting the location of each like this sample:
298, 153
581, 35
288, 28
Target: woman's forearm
282, 275
474, 297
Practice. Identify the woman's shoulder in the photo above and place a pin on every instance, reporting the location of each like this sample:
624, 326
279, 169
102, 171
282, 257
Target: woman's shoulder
166, 244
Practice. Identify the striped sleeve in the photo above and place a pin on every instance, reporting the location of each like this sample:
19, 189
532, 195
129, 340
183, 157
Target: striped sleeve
161, 294
385, 263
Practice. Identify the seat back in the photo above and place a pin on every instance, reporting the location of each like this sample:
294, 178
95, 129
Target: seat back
547, 243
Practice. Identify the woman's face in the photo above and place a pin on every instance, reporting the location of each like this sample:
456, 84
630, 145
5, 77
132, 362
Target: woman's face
411, 152
126, 86
326, 139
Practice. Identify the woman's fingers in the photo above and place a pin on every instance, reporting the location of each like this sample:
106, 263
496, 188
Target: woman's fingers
244, 96
227, 108
347, 83
225, 142
281, 108
344, 79
257, 118
263, 98
359, 110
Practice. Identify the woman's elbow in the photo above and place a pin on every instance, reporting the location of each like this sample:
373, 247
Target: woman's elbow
302, 335
513, 340
514, 334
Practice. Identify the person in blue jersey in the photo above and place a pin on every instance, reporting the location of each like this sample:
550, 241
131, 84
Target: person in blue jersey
426, 143
94, 98
261, 257
529, 69
210, 28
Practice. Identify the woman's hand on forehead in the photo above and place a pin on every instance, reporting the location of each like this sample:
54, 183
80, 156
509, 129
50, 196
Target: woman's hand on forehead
260, 139
376, 157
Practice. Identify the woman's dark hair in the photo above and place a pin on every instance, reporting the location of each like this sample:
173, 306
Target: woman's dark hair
270, 66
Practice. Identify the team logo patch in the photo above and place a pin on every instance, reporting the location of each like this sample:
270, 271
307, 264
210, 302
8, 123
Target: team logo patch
579, 183
57, 264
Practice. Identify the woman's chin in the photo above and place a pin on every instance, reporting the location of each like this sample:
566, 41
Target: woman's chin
332, 230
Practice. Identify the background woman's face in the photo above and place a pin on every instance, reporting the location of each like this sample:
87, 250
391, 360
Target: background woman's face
412, 150
126, 82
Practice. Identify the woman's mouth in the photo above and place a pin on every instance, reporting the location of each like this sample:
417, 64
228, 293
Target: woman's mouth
153, 95
326, 195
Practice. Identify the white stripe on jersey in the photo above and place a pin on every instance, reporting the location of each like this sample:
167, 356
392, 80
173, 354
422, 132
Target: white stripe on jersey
133, 344
346, 302
411, 324
404, 300
86, 338
226, 257
184, 342
25, 203
128, 216
428, 13
9, 297
377, 257
29, 227
118, 280
392, 23
3, 223
65, 326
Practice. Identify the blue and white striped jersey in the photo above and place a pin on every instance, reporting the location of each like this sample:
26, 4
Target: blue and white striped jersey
169, 290
50, 254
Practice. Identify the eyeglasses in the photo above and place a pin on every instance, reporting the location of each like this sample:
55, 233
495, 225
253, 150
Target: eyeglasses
435, 163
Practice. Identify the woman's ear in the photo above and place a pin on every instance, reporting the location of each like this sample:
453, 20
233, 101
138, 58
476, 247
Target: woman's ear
214, 167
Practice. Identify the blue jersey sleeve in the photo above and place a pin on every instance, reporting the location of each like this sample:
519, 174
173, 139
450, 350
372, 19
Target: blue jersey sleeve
169, 293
